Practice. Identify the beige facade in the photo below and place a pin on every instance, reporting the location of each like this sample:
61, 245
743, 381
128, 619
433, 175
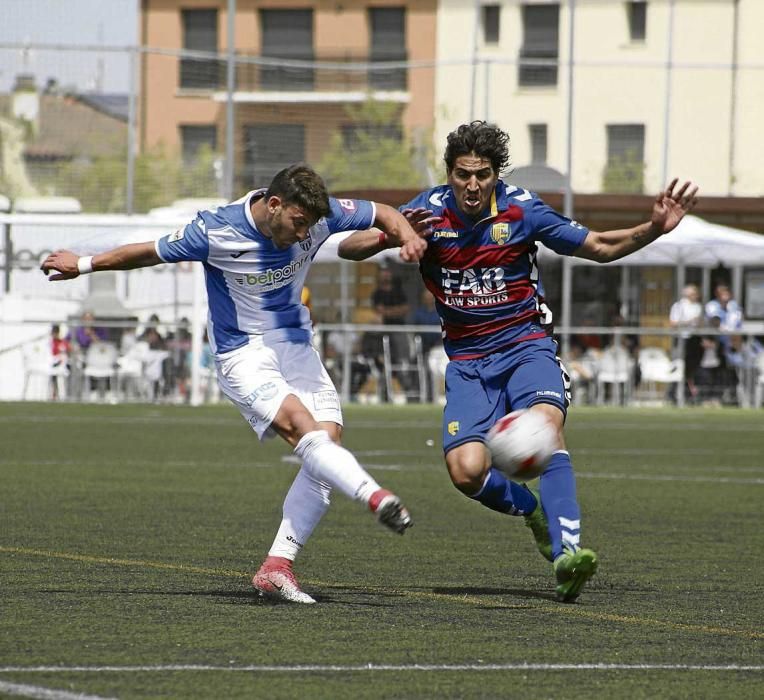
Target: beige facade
701, 117
340, 35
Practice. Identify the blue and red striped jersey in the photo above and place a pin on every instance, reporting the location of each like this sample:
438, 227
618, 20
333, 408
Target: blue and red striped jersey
483, 274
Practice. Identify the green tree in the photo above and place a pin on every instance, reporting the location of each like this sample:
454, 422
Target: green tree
372, 151
101, 184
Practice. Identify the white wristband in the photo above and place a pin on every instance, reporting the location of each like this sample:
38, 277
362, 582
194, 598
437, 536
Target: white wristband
85, 264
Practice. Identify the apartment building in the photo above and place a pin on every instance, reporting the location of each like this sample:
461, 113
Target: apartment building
659, 87
286, 109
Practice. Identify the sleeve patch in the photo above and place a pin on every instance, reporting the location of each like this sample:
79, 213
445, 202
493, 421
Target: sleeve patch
177, 236
347, 204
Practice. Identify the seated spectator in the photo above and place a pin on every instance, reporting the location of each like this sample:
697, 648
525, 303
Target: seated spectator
86, 334
60, 348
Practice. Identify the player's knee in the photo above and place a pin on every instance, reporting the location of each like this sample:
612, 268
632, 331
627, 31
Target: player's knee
467, 475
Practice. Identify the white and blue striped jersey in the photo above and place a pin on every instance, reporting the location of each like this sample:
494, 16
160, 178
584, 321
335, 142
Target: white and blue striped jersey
253, 288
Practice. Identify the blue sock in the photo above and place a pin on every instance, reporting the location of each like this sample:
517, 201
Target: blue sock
558, 497
505, 496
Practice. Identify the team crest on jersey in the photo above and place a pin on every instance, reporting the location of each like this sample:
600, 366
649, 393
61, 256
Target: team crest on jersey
177, 236
306, 244
500, 233
453, 427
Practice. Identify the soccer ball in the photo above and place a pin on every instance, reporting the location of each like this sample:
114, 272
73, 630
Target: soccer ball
522, 443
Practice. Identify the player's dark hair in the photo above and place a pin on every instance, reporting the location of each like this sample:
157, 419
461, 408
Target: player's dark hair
481, 138
302, 186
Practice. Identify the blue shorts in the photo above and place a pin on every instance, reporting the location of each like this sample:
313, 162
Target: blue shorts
479, 392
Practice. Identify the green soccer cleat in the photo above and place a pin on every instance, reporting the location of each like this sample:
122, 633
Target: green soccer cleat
573, 569
539, 526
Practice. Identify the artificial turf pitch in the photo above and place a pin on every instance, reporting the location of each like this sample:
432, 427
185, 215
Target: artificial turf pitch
129, 535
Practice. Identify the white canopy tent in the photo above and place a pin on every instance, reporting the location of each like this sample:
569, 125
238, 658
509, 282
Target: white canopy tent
694, 243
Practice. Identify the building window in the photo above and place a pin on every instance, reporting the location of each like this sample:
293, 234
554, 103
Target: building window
195, 138
270, 147
625, 168
491, 18
387, 28
637, 12
287, 34
200, 33
541, 29
538, 134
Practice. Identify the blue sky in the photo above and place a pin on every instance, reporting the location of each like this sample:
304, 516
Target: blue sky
72, 23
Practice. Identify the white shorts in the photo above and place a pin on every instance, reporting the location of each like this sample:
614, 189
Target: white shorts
258, 379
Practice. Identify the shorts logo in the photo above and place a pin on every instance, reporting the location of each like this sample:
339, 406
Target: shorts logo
500, 233
453, 427
326, 399
177, 236
264, 392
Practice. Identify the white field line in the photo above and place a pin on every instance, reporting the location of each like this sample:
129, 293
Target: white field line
346, 668
33, 691
670, 477
292, 460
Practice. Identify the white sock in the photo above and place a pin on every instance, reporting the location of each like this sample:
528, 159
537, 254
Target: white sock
304, 506
326, 461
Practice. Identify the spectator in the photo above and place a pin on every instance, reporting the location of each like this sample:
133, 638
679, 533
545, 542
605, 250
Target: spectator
87, 333
389, 302
687, 314
723, 313
60, 348
427, 315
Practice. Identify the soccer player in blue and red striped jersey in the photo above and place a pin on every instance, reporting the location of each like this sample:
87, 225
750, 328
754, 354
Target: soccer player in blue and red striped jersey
480, 265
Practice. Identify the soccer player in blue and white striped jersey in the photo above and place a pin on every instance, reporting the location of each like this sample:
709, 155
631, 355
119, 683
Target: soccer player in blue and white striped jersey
256, 253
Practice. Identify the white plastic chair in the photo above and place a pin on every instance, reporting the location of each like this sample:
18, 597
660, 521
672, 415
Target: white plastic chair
39, 362
100, 365
131, 371
614, 367
437, 360
656, 367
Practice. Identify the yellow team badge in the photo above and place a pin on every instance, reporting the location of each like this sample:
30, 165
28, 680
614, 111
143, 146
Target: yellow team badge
500, 233
453, 427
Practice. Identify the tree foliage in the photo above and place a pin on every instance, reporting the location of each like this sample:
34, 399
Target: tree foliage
372, 151
100, 184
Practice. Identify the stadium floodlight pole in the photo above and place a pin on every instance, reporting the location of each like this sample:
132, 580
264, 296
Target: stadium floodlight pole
567, 263
667, 108
229, 111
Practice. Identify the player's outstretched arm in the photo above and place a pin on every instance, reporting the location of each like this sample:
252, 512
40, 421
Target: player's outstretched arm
68, 265
669, 209
400, 233
363, 244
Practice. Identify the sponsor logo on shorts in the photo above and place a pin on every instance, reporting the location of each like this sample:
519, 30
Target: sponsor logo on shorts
264, 392
453, 427
326, 399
